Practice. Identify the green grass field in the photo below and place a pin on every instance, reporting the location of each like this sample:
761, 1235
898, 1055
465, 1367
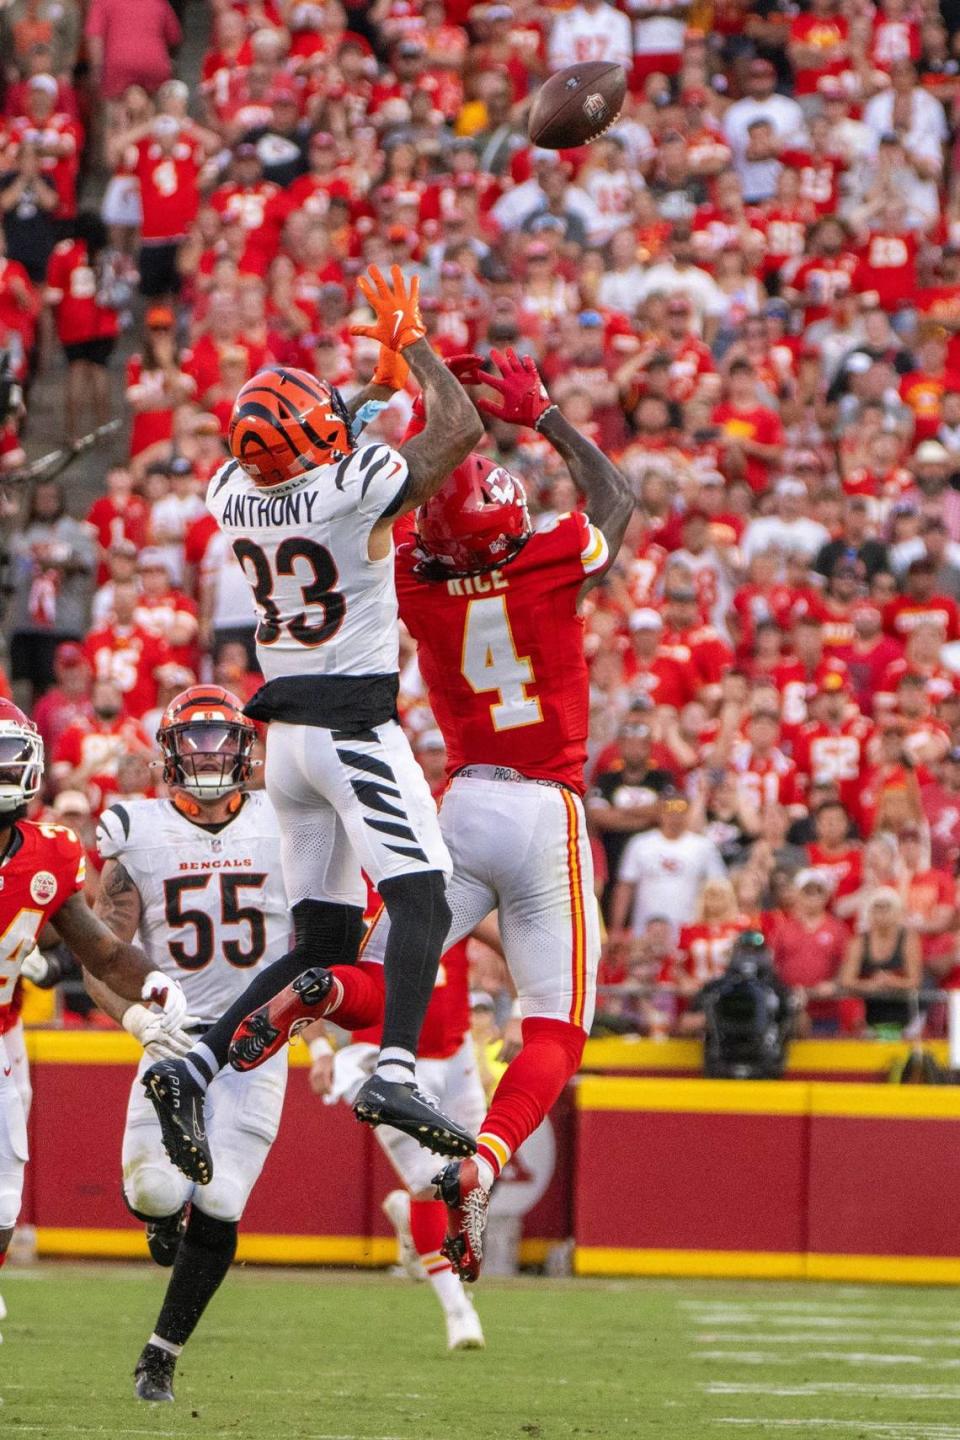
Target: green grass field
341, 1356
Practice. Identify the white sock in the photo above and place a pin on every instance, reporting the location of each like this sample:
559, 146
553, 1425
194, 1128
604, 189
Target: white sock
202, 1064
168, 1345
395, 1063
448, 1289
485, 1172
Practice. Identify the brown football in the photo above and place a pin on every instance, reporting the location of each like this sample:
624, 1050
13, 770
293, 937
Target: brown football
576, 105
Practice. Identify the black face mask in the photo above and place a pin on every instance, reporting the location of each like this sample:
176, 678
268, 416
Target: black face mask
106, 712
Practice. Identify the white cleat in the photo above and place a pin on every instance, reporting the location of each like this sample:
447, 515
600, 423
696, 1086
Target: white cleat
396, 1207
464, 1331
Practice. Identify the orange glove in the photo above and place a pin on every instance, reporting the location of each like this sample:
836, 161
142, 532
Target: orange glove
397, 310
392, 370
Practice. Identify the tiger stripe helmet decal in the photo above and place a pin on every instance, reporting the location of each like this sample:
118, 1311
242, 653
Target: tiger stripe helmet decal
284, 423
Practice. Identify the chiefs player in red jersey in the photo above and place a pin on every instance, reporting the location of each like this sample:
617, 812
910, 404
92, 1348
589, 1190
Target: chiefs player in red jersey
494, 610
447, 1067
42, 870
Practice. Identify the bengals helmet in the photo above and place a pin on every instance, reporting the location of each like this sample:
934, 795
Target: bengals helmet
21, 761
286, 422
478, 520
206, 742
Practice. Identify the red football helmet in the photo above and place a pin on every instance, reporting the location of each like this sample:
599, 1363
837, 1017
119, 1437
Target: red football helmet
286, 422
206, 742
21, 760
477, 521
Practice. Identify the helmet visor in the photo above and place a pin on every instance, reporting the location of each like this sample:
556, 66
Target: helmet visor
210, 757
21, 768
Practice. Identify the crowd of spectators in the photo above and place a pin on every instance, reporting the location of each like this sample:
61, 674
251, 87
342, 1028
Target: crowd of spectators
747, 292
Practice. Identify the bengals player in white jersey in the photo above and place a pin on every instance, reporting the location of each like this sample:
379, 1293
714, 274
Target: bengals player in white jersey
311, 514
494, 609
42, 871
196, 876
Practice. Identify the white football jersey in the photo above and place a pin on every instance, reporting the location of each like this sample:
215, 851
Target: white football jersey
213, 906
324, 608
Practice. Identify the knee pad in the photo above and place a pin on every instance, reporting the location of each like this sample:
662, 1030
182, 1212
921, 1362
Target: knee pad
326, 934
11, 1193
207, 1232
152, 1190
569, 1038
420, 900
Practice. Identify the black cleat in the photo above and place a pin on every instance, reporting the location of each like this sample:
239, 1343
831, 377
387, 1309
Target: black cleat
267, 1030
153, 1377
391, 1102
178, 1101
164, 1235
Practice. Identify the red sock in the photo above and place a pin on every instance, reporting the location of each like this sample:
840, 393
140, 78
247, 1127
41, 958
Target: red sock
552, 1051
428, 1226
362, 1003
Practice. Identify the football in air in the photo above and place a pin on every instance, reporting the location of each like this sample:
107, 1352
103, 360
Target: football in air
577, 105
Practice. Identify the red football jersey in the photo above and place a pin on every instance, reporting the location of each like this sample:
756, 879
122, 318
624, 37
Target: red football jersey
72, 292
130, 657
42, 873
168, 186
844, 866
501, 654
447, 1020
825, 753
771, 780
904, 614
704, 950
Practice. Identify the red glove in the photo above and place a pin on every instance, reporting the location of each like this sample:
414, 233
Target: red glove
466, 368
525, 400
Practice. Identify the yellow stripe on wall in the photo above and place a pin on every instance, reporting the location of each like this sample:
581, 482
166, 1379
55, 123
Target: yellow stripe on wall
629, 1052
374, 1251
886, 1102
713, 1097
768, 1265
104, 1047
750, 1264
769, 1097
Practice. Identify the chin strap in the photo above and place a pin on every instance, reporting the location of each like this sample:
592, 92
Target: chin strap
192, 808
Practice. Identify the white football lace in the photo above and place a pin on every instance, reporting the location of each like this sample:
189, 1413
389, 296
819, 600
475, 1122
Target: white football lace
474, 1209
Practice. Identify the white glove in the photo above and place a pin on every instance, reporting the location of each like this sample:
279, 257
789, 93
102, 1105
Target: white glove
35, 967
159, 989
154, 1033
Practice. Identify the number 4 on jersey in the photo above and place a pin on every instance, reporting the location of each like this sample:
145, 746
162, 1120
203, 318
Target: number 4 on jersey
490, 662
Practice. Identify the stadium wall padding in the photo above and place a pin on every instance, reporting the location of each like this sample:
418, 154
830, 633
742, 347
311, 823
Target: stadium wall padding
317, 1201
785, 1179
655, 1174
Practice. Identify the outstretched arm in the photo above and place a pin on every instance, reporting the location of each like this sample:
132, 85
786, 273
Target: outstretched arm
609, 497
524, 401
452, 425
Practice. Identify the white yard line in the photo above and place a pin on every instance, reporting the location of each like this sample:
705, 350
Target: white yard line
834, 1357
832, 1322
816, 1337
883, 1429
813, 1388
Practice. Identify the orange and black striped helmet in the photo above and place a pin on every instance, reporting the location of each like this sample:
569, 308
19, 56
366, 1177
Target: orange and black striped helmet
284, 423
206, 742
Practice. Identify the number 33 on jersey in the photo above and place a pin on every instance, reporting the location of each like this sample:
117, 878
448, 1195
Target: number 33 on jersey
501, 654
